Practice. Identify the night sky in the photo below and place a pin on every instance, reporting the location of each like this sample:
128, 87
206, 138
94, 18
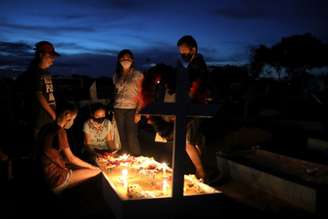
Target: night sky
89, 33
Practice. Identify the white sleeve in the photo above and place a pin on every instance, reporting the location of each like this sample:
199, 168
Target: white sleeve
110, 127
86, 128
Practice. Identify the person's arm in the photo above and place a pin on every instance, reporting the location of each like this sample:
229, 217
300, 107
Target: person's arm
63, 143
45, 105
77, 161
110, 140
110, 135
140, 102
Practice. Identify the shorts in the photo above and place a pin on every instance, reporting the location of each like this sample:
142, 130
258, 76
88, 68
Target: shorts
194, 133
64, 185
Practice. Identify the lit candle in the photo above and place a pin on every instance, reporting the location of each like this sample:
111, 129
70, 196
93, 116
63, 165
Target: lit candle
125, 179
165, 186
164, 166
124, 156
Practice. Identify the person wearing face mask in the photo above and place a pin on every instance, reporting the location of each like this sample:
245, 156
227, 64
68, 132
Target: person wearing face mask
55, 152
98, 131
193, 62
128, 101
194, 65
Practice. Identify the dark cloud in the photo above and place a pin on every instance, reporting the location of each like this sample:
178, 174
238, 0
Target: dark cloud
108, 4
14, 57
236, 58
94, 65
103, 63
125, 4
74, 47
105, 51
100, 62
73, 16
248, 12
254, 9
45, 28
15, 49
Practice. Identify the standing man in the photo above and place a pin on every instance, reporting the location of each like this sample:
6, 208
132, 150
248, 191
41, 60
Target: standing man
40, 102
195, 66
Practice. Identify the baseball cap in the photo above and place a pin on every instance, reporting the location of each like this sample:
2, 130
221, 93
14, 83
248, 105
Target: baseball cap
45, 47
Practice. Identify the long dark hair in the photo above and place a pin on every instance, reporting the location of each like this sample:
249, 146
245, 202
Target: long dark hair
119, 68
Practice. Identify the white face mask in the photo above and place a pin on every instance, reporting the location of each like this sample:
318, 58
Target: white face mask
126, 64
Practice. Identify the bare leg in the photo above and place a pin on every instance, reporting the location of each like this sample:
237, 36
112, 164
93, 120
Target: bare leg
81, 175
194, 155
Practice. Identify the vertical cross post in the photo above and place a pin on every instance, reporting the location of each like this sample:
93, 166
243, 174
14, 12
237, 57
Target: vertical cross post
179, 152
182, 109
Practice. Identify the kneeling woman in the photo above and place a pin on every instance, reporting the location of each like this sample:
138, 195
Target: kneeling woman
55, 151
99, 131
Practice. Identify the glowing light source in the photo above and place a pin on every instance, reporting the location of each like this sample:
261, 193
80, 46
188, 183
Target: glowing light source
164, 167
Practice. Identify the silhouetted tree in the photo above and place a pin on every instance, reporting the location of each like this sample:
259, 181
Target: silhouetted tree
296, 53
259, 57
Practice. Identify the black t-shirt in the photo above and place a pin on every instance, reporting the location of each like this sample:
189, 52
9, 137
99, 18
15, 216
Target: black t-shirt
32, 82
197, 69
198, 77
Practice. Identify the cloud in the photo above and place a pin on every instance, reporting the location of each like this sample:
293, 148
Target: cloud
254, 9
45, 28
126, 5
16, 49
101, 62
248, 12
93, 65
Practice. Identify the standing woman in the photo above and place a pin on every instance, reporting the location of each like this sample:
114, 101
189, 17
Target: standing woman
127, 81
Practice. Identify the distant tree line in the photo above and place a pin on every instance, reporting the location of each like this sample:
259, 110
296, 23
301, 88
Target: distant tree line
295, 53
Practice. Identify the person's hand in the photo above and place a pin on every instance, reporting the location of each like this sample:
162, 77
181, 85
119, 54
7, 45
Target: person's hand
94, 167
137, 118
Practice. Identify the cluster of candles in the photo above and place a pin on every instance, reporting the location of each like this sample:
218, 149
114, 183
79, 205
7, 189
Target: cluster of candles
125, 174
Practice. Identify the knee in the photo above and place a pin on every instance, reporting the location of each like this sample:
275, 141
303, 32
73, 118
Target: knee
93, 172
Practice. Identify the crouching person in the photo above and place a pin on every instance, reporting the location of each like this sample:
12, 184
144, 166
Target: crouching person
55, 152
99, 133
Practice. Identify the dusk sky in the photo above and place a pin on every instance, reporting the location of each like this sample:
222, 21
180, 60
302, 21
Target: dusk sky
89, 33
